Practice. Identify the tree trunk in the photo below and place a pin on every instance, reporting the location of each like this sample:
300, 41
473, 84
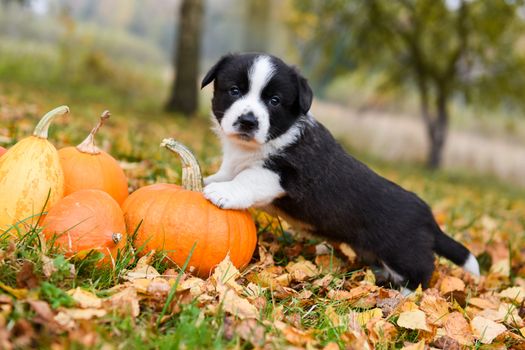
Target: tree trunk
437, 131
184, 91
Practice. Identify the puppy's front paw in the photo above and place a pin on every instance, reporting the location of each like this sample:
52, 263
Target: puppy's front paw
227, 195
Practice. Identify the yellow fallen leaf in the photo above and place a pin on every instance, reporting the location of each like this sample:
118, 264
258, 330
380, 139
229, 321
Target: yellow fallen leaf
142, 271
237, 306
483, 303
19, 293
515, 294
486, 330
457, 328
85, 299
451, 284
435, 307
415, 319
364, 317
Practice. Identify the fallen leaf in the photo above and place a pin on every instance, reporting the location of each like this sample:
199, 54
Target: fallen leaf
515, 294
364, 317
414, 346
251, 331
293, 335
486, 330
43, 311
84, 314
225, 274
142, 271
19, 293
415, 319
85, 299
331, 346
483, 303
302, 270
381, 331
435, 307
238, 306
457, 328
124, 302
451, 284
348, 252
26, 277
48, 266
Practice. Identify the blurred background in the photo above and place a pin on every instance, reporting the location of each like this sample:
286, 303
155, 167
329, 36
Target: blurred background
434, 83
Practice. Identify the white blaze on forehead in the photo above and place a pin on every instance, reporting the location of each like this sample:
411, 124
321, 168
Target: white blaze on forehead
259, 75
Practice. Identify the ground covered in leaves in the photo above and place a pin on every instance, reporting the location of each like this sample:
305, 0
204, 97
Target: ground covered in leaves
297, 292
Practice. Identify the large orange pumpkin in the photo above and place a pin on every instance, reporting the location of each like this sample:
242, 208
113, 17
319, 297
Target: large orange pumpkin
86, 220
174, 219
88, 167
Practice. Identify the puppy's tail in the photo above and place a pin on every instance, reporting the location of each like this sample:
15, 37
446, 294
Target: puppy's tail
455, 252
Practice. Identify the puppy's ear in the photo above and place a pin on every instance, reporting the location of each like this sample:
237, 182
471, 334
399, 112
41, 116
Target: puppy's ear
306, 95
212, 73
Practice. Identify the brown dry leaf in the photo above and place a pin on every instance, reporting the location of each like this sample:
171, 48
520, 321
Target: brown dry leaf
85, 299
84, 314
355, 339
451, 284
238, 306
435, 307
26, 277
272, 277
414, 346
457, 328
507, 313
225, 274
293, 335
354, 294
126, 301
486, 330
48, 267
483, 303
302, 270
328, 263
414, 319
142, 271
381, 331
515, 294
499, 252
251, 331
43, 311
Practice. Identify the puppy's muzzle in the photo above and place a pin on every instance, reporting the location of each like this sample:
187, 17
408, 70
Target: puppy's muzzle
246, 123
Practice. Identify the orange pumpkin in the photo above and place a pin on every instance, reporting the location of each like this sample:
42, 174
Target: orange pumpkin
174, 218
86, 220
2, 151
88, 167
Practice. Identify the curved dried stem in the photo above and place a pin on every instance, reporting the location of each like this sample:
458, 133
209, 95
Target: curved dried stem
88, 145
42, 127
191, 171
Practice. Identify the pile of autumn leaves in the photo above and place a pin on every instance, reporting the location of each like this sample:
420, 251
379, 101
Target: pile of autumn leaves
457, 311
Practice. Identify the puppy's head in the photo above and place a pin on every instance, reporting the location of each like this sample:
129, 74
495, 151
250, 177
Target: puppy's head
257, 97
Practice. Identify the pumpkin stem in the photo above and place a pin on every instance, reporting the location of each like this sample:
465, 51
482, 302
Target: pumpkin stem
116, 237
88, 145
42, 127
191, 171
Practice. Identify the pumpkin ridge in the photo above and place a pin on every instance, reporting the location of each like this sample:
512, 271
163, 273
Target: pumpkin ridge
164, 210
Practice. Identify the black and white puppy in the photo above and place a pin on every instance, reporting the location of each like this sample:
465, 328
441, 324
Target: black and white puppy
277, 156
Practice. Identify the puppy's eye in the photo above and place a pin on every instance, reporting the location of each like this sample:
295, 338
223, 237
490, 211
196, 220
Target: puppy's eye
235, 91
275, 100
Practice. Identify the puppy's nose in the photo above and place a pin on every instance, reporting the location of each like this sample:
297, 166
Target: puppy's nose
247, 122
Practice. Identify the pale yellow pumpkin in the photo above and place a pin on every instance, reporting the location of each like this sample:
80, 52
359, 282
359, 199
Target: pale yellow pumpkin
31, 178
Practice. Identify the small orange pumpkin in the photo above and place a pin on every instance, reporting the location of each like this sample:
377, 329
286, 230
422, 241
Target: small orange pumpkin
174, 218
88, 167
86, 220
2, 151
